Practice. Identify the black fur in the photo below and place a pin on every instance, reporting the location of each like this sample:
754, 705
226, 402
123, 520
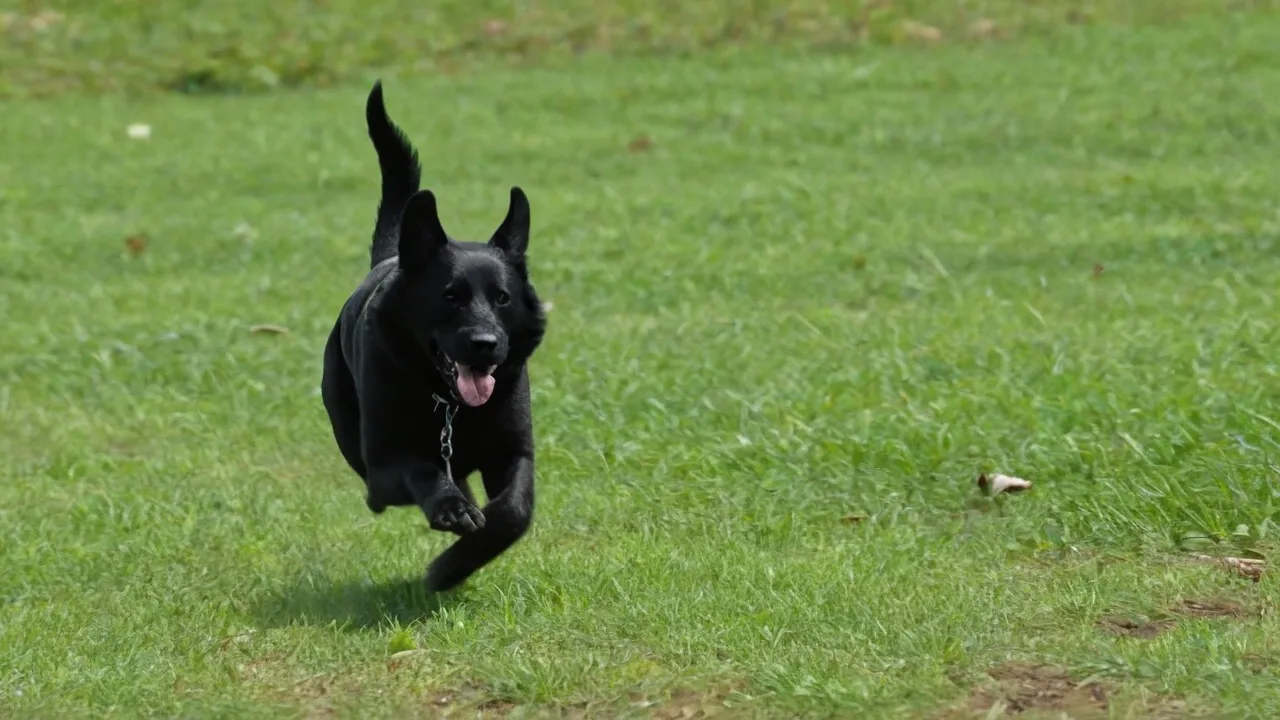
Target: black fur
431, 308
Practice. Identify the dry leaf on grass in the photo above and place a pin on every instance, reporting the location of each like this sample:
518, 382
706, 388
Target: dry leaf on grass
269, 330
985, 28
495, 27
136, 244
1250, 568
853, 518
996, 484
1041, 690
399, 658
919, 31
640, 144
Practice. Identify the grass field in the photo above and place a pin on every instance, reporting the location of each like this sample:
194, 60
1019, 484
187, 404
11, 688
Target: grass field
802, 297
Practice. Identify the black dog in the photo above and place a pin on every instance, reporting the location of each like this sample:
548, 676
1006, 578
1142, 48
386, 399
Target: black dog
424, 372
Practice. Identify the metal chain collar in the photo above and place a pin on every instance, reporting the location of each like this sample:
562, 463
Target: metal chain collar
446, 432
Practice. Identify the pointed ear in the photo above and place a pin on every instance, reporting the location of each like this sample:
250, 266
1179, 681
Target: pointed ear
512, 236
421, 234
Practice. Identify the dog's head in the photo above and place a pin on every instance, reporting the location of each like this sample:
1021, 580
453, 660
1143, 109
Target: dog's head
469, 305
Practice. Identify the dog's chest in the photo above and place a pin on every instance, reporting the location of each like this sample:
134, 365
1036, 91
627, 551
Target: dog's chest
474, 441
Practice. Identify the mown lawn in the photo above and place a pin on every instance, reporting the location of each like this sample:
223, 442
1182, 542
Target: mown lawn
801, 299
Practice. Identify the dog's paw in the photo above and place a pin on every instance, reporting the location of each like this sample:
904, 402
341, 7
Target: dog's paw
451, 512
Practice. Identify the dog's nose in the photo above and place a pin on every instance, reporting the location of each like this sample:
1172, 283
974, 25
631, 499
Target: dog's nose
484, 342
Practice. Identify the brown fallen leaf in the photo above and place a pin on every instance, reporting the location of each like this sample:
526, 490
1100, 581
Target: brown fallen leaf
853, 518
495, 27
919, 31
400, 658
996, 484
1097, 269
136, 244
641, 143
269, 330
985, 28
1250, 568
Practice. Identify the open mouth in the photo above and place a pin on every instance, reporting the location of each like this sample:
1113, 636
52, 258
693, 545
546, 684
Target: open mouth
475, 385
472, 385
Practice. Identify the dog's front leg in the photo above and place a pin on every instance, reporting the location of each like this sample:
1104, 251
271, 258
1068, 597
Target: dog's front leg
445, 505
509, 512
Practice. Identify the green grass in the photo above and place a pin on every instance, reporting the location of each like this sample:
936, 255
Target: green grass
836, 284
219, 46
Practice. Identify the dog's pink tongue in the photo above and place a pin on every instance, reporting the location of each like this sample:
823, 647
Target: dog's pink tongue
475, 386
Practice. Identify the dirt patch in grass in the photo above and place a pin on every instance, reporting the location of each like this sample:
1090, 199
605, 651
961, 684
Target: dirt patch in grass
468, 702
495, 708
1125, 626
687, 705
1030, 690
1129, 627
1215, 608
683, 704
1025, 687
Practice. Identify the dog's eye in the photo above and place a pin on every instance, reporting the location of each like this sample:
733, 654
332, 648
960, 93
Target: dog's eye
502, 298
451, 295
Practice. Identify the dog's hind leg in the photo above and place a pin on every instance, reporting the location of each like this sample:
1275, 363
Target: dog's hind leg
506, 519
338, 390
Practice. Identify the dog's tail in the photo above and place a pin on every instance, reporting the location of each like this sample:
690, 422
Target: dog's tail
401, 175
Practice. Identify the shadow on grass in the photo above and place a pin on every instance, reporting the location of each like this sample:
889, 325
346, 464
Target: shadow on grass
353, 605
